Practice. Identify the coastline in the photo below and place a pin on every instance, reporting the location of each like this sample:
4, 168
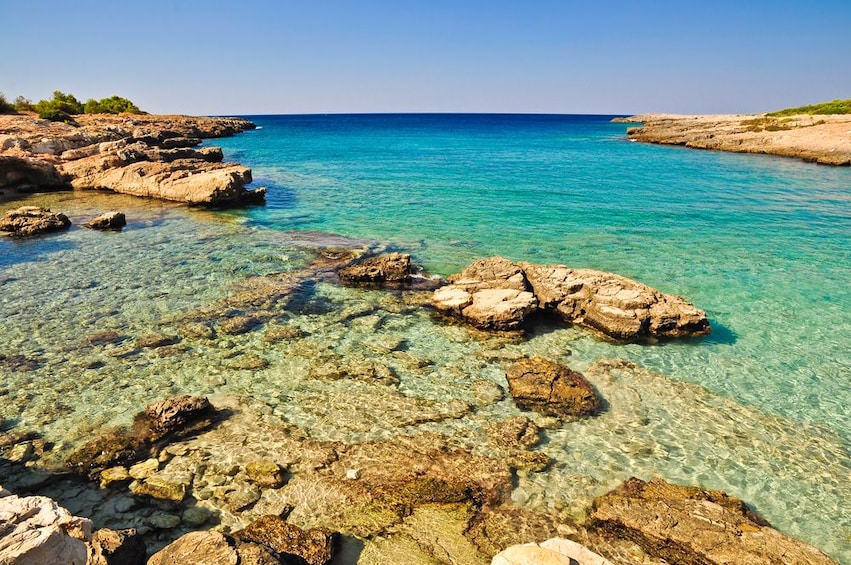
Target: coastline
823, 139
139, 154
346, 319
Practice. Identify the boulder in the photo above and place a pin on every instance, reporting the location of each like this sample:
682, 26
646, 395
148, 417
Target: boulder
551, 389
117, 547
107, 221
174, 416
389, 268
313, 546
36, 530
497, 294
692, 526
198, 548
33, 220
554, 551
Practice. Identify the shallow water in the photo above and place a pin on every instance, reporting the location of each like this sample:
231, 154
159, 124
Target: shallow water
760, 243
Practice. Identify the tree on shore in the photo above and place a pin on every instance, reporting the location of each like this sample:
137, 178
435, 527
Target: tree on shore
111, 105
5, 107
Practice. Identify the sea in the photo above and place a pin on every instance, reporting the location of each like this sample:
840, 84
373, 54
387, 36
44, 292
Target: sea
761, 408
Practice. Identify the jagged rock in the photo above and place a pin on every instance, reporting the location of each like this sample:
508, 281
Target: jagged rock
33, 220
551, 389
497, 294
19, 171
107, 221
692, 526
175, 415
390, 268
35, 530
117, 547
555, 551
313, 546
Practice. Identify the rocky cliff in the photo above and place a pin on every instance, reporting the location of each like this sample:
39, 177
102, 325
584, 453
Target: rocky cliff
142, 155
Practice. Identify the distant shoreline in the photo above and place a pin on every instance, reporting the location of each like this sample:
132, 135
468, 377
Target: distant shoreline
824, 139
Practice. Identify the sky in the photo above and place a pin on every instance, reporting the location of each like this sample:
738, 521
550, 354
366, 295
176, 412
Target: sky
520, 56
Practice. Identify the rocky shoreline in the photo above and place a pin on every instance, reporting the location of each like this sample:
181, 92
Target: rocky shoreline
152, 156
230, 475
824, 139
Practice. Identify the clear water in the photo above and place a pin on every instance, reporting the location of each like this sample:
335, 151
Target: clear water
759, 408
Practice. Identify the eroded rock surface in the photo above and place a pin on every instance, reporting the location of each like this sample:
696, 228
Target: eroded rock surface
33, 220
551, 389
692, 526
107, 221
498, 294
389, 268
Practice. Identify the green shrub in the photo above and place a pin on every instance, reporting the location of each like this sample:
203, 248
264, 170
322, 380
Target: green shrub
5, 107
111, 105
24, 104
60, 108
833, 107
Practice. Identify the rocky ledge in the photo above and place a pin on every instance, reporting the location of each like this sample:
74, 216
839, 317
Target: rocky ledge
823, 139
142, 155
497, 294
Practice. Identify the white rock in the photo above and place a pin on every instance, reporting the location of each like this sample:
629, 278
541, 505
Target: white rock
37, 530
555, 551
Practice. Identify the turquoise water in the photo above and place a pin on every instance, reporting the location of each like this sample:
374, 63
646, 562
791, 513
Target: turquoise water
759, 408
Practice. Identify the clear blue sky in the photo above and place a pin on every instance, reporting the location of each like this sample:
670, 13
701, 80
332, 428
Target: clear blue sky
317, 56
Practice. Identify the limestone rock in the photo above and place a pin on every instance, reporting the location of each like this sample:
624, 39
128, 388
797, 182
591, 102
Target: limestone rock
313, 546
175, 415
692, 526
389, 268
555, 551
20, 171
551, 389
107, 221
117, 547
109, 450
487, 392
198, 548
36, 530
159, 487
33, 220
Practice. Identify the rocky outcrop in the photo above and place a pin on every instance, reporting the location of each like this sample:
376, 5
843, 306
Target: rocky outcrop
107, 221
497, 294
551, 389
149, 156
554, 551
692, 526
314, 546
33, 220
160, 421
819, 138
389, 268
36, 530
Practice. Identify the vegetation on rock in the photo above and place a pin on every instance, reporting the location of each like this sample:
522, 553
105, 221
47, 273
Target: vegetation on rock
833, 107
111, 105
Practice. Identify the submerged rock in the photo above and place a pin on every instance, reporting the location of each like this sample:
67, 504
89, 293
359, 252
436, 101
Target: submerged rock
692, 526
286, 540
551, 389
198, 548
497, 294
33, 220
389, 268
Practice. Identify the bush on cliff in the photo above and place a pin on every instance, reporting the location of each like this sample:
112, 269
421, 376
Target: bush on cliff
60, 108
5, 107
111, 105
833, 107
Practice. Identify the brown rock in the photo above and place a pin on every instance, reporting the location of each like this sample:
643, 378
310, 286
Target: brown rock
113, 449
267, 474
33, 220
313, 546
175, 416
20, 171
198, 548
551, 389
117, 547
693, 526
107, 221
518, 432
390, 268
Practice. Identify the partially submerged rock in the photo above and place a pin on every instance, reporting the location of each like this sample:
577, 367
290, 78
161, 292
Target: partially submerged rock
389, 268
551, 389
33, 220
497, 294
314, 546
107, 221
692, 526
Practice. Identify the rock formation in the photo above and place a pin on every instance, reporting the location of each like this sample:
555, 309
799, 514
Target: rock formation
33, 220
552, 389
692, 526
498, 294
819, 138
554, 551
107, 221
389, 268
142, 155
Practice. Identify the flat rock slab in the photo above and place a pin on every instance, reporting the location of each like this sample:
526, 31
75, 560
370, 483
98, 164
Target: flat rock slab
692, 526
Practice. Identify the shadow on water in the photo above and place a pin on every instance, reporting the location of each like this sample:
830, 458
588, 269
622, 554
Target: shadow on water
721, 335
20, 250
